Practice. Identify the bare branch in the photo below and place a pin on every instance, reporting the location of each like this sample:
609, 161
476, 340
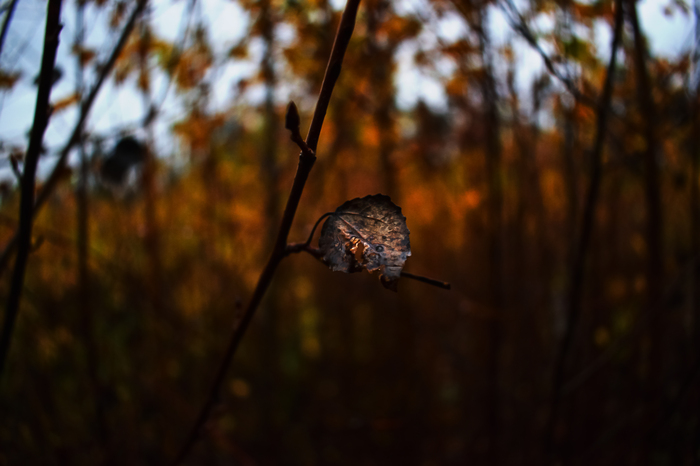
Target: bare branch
520, 25
26, 210
14, 163
429, 281
59, 168
578, 266
306, 162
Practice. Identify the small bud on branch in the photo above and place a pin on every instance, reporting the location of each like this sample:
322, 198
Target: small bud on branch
292, 121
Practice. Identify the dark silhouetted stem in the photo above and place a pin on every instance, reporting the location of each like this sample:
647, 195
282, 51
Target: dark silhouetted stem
26, 208
519, 24
84, 295
578, 269
652, 192
295, 248
306, 162
493, 155
429, 281
59, 169
6, 24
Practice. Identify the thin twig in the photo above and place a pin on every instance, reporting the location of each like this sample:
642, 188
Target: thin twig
313, 230
577, 273
306, 162
519, 24
177, 49
653, 236
14, 163
429, 281
6, 24
294, 248
59, 169
42, 113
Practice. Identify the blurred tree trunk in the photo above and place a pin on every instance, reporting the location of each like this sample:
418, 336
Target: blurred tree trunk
517, 232
655, 269
557, 446
148, 178
529, 205
270, 171
85, 310
269, 160
695, 188
380, 59
694, 289
492, 126
570, 130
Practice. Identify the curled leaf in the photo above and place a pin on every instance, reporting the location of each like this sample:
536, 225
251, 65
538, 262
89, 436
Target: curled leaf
367, 233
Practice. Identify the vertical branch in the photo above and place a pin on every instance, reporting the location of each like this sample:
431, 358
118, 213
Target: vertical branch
84, 296
495, 247
271, 123
694, 207
81, 191
270, 170
381, 80
148, 182
306, 162
652, 191
569, 143
524, 149
42, 112
578, 266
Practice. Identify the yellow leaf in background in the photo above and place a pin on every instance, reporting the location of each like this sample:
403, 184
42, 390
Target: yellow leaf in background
192, 67
144, 82
117, 14
398, 28
8, 79
455, 87
66, 102
239, 51
240, 388
196, 130
85, 54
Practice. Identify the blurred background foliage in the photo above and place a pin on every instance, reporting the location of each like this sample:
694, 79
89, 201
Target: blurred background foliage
137, 280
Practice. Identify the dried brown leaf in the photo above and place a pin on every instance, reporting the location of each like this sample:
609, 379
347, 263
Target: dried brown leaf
85, 54
367, 233
65, 102
8, 79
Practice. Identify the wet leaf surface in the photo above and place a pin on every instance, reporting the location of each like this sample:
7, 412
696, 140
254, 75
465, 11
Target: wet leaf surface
367, 233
